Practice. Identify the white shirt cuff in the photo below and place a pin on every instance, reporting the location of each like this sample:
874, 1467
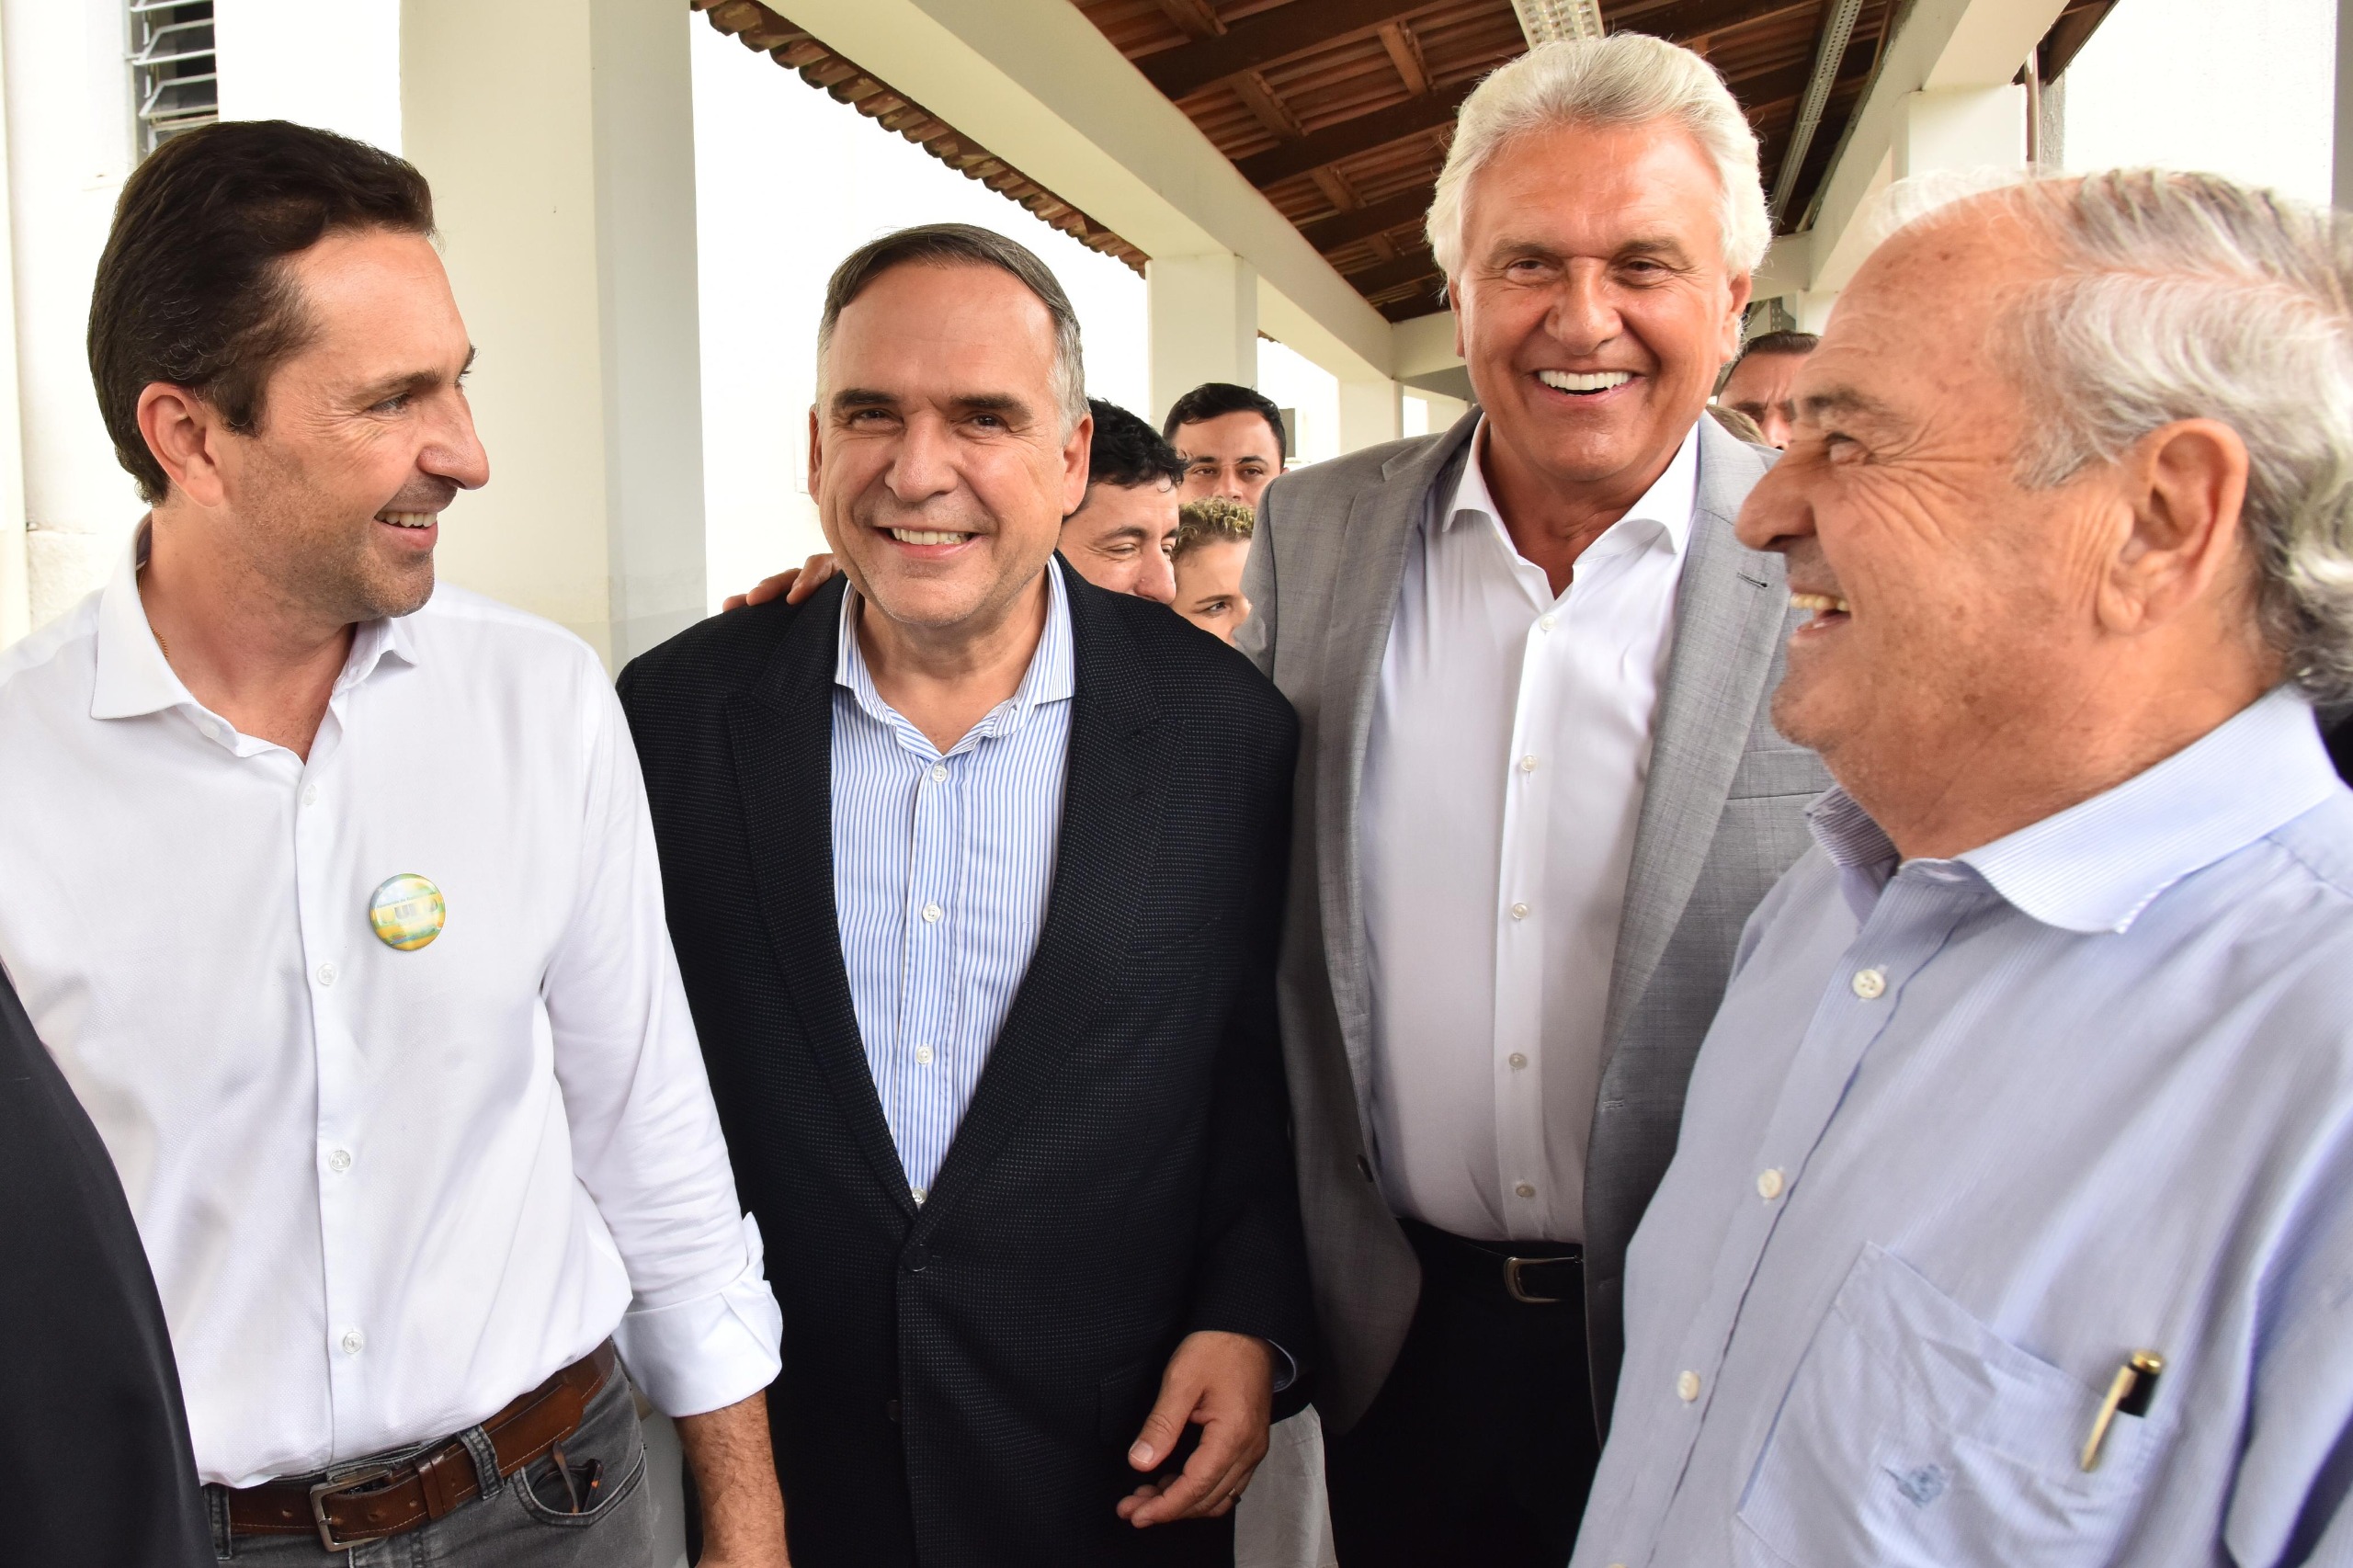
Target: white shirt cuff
707, 1352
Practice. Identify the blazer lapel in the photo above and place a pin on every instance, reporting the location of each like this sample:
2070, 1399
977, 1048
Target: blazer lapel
1113, 799
780, 731
1729, 614
1381, 527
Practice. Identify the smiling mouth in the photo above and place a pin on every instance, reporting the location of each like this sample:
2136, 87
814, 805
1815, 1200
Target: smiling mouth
1585, 382
1821, 604
408, 519
926, 536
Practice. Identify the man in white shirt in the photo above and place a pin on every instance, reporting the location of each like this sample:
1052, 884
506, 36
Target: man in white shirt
336, 899
1540, 793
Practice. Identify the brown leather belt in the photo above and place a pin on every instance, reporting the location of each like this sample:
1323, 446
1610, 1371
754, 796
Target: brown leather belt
368, 1502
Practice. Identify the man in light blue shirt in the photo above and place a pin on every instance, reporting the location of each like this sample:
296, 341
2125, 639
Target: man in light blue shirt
2012, 1217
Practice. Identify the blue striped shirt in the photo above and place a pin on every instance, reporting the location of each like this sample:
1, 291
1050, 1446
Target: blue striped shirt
1968, 1133
942, 863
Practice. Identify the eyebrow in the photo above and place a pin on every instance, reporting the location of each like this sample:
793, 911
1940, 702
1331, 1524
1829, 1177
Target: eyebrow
1848, 400
412, 382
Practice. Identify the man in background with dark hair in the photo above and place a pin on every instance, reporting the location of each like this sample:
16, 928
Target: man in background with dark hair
1759, 383
333, 897
1122, 538
1231, 440
976, 871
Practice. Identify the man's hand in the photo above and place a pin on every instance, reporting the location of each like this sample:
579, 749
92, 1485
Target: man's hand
1224, 1382
734, 1470
793, 586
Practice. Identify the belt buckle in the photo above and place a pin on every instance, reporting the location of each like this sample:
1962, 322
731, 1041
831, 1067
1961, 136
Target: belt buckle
337, 1487
1512, 1284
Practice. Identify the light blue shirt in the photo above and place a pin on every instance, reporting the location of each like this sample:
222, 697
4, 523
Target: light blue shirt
942, 865
1965, 1135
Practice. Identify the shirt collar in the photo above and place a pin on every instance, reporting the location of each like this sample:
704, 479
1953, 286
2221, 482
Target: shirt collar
135, 679
1663, 512
2096, 866
1050, 678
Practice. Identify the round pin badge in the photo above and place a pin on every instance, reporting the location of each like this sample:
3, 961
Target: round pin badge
407, 912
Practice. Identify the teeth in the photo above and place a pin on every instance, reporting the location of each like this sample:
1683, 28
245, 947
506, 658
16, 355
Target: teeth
926, 536
406, 519
1821, 604
1597, 380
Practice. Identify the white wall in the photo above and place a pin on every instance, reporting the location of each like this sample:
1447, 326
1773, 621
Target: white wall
1311, 392
332, 63
2245, 88
788, 182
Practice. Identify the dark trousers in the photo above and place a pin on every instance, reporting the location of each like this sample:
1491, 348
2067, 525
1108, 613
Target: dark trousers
1481, 1447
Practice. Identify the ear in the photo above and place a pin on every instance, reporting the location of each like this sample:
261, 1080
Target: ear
185, 435
1743, 287
2184, 485
1454, 309
1075, 464
816, 453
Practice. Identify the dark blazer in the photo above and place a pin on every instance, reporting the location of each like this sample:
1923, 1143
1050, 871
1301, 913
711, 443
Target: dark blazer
962, 1380
93, 1438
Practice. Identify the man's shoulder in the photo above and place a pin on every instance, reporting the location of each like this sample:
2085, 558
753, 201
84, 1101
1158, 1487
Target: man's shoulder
718, 656
1190, 671
62, 654
1335, 481
517, 640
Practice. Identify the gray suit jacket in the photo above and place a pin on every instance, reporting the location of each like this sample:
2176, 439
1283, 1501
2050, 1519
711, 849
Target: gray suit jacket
1721, 819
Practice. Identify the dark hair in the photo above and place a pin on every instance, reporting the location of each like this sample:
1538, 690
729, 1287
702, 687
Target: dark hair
1213, 400
1779, 343
1212, 519
1127, 452
192, 288
952, 244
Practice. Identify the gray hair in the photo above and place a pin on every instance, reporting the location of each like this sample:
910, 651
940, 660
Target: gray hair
1623, 79
2188, 295
963, 244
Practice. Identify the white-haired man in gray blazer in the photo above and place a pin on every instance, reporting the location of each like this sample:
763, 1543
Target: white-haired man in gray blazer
1540, 792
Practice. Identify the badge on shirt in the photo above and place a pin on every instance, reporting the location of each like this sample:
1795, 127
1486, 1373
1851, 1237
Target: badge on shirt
407, 912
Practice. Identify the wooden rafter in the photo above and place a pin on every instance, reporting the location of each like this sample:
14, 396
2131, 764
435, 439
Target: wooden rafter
1265, 37
1351, 137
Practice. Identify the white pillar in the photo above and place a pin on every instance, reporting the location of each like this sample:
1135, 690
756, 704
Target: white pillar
559, 138
1960, 128
1204, 325
16, 584
1369, 412
68, 132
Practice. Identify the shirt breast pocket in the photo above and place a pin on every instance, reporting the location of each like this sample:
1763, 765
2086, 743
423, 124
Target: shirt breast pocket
1913, 1436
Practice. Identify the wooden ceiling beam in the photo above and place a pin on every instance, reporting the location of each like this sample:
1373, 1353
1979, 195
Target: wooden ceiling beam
1328, 235
1405, 53
1263, 39
1348, 137
1408, 268
1192, 17
1679, 21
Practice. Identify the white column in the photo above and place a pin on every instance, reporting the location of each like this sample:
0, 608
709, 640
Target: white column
559, 138
68, 114
1369, 412
1204, 325
16, 584
1960, 128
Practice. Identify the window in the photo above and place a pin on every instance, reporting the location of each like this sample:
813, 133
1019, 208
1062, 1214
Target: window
175, 86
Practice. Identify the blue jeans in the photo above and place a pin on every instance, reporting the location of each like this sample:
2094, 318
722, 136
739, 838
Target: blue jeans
524, 1521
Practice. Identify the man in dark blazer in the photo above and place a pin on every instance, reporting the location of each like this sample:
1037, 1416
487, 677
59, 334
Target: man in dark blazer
92, 1432
975, 875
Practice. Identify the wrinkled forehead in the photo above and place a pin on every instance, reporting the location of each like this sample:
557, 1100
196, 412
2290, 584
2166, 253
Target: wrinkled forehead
1924, 311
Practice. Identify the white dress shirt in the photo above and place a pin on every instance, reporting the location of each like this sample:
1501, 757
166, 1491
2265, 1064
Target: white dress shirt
382, 1192
1503, 781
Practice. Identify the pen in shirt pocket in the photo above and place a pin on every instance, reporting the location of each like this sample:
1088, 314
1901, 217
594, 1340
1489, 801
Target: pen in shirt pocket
2128, 1394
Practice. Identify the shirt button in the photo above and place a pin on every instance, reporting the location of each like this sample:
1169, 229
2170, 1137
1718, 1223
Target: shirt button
354, 1342
930, 913
1527, 764
1519, 912
938, 773
1525, 1189
1517, 1060
1769, 1184
340, 1161
1869, 984
310, 794
1544, 622
918, 1195
923, 1055
327, 972
1687, 1386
